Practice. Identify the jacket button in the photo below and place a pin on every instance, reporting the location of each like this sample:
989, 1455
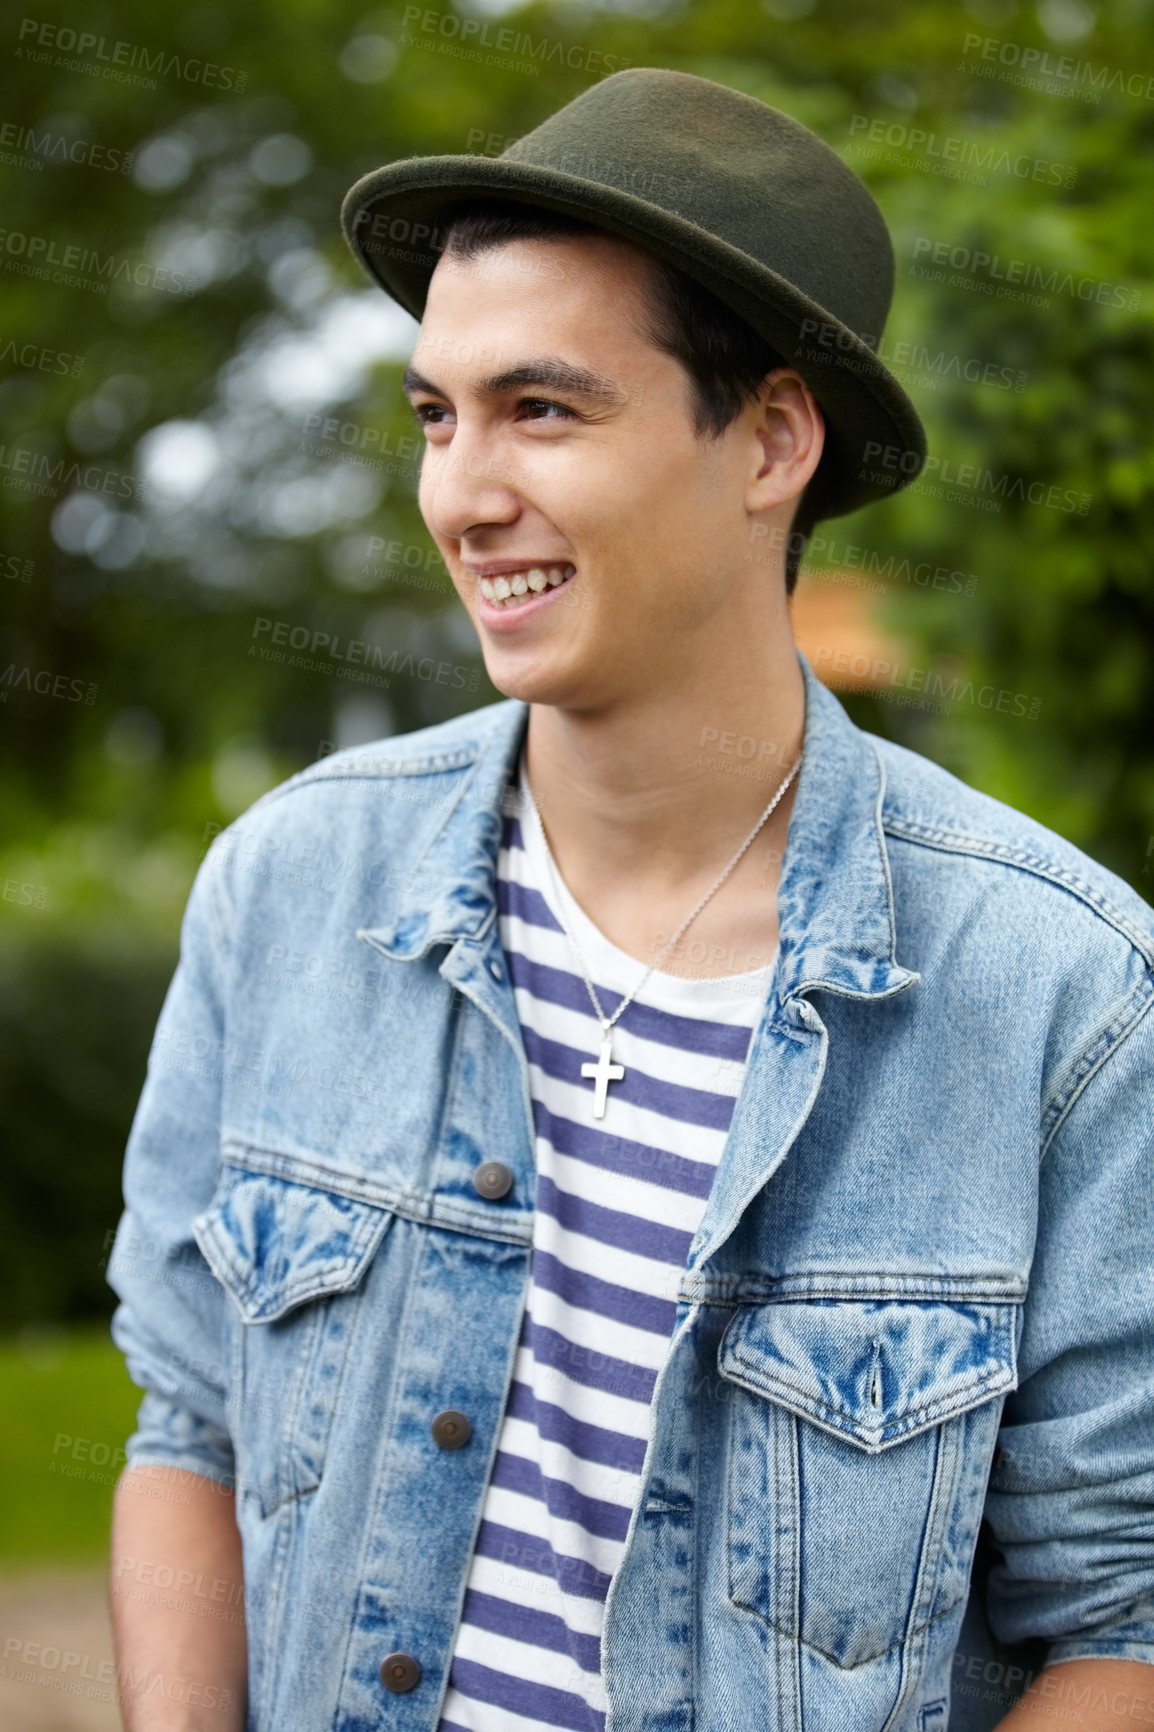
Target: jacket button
451, 1430
492, 1179
400, 1672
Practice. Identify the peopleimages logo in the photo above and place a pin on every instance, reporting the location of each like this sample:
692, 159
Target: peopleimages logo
967, 483
953, 154
26, 470
917, 688
35, 357
1014, 275
324, 648
51, 44
40, 256
25, 147
503, 42
1036, 65
904, 357
45, 684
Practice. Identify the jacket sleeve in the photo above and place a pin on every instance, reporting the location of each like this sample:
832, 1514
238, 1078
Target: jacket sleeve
169, 1322
1071, 1496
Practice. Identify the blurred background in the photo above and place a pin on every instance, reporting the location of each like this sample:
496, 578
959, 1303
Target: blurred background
204, 442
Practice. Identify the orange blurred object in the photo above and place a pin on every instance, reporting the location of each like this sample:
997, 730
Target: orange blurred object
835, 628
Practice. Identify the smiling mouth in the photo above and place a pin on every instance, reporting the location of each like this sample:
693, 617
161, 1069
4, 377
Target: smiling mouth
511, 588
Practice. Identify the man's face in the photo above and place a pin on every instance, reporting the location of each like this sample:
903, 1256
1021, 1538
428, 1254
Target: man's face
558, 440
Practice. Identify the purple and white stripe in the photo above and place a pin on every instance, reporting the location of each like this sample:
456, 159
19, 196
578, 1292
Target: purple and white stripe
618, 1202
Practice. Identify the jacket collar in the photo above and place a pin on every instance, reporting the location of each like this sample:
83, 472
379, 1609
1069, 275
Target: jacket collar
835, 900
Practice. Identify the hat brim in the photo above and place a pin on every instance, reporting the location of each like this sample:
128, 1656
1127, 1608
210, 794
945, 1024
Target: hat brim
391, 219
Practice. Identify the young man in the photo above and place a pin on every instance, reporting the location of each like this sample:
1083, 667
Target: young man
658, 1237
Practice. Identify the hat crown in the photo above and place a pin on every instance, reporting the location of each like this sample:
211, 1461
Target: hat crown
741, 171
741, 197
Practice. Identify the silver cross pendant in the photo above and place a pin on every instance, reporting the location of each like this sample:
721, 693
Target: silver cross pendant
603, 1073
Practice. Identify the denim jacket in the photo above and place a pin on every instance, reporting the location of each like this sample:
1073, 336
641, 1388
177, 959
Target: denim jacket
901, 1451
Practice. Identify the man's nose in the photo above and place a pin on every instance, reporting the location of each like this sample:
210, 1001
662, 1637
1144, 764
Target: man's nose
465, 484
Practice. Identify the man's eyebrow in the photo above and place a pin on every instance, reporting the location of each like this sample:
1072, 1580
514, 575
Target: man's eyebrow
412, 381
556, 375
549, 371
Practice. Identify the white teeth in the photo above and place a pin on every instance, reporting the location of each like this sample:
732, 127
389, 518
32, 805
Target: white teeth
512, 590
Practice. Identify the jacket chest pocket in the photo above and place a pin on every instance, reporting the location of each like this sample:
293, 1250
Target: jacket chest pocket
857, 1463
290, 1255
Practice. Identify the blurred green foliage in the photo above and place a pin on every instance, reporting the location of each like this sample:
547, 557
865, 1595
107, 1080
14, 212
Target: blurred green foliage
69, 1408
191, 491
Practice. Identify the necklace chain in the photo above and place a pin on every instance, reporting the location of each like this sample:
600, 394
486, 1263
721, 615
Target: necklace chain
607, 1023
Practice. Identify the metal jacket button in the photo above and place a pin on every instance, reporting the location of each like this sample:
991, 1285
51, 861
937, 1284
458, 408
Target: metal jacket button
451, 1430
400, 1672
492, 1179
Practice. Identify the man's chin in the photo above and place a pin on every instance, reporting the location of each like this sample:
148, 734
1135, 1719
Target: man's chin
530, 686
556, 686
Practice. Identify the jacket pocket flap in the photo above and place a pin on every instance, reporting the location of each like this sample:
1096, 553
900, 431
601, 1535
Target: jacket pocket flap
872, 1372
275, 1242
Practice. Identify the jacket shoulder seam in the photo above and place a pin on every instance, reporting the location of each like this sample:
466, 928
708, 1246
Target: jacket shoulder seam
1106, 1039
221, 909
382, 768
1025, 860
379, 769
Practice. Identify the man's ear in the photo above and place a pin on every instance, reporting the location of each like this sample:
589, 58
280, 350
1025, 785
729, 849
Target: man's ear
788, 437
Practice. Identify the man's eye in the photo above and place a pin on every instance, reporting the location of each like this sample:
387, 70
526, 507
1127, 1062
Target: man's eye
424, 412
559, 409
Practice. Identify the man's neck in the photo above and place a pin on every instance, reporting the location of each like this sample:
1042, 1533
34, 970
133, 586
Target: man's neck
645, 804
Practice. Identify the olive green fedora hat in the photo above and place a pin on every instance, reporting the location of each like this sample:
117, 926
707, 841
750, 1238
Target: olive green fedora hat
741, 197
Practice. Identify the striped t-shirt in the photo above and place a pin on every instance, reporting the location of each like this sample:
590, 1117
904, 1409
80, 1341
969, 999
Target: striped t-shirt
618, 1202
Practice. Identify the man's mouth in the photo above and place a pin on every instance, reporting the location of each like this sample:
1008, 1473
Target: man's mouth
512, 588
